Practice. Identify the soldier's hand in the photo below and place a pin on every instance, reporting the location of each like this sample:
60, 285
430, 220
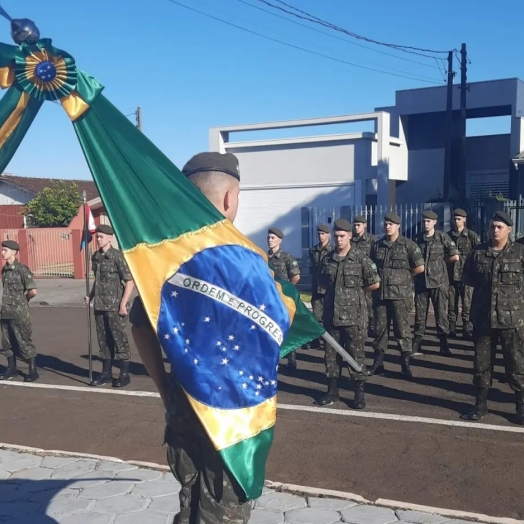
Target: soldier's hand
87, 300
122, 310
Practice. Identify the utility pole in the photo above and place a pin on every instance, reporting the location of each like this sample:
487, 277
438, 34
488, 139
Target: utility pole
463, 88
138, 115
449, 128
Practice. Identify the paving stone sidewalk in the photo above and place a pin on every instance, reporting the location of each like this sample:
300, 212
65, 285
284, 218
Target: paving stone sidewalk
47, 489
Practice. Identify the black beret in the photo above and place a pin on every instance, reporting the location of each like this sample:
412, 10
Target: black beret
429, 214
341, 224
500, 216
459, 213
105, 229
359, 219
223, 162
11, 244
275, 231
323, 229
392, 217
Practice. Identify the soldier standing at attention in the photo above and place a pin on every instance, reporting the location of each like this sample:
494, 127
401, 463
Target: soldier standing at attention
438, 250
346, 274
364, 241
316, 255
398, 259
286, 268
495, 270
111, 292
465, 239
18, 289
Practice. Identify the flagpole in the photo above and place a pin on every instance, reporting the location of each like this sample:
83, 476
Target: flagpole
86, 254
342, 352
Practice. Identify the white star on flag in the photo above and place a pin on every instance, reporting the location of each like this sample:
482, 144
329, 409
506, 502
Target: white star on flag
195, 361
174, 294
266, 383
253, 326
167, 336
237, 347
257, 393
186, 350
207, 319
259, 386
225, 361
273, 382
263, 307
231, 337
261, 379
219, 343
240, 372
251, 377
187, 341
244, 385
175, 331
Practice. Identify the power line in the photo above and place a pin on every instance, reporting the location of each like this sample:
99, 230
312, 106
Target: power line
316, 20
293, 46
345, 40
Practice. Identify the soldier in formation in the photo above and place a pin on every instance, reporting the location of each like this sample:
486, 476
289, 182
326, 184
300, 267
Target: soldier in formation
286, 268
346, 274
495, 271
18, 289
316, 255
438, 250
364, 241
110, 295
465, 239
398, 259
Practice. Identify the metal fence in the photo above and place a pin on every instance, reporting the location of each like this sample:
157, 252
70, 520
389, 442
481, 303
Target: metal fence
50, 252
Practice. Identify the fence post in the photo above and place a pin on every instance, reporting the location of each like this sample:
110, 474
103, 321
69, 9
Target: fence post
78, 260
23, 242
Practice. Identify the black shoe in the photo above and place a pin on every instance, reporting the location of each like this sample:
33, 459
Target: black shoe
32, 375
519, 417
481, 407
105, 377
314, 344
444, 348
452, 329
123, 379
331, 396
415, 348
359, 401
292, 362
10, 371
406, 368
378, 365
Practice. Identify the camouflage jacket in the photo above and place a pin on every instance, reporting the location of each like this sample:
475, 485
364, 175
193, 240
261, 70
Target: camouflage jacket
497, 279
316, 255
111, 271
465, 242
343, 279
17, 280
364, 243
394, 261
284, 264
435, 250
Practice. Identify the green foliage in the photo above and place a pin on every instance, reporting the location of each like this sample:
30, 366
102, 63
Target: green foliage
56, 205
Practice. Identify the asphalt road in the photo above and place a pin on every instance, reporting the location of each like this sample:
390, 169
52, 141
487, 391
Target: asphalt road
391, 455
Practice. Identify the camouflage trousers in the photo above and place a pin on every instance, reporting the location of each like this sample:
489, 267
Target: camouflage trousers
352, 339
16, 338
112, 336
394, 312
209, 495
317, 304
458, 291
439, 298
512, 342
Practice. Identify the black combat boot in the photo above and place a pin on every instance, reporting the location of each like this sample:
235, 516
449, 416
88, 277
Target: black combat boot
519, 417
481, 406
332, 394
105, 377
378, 365
359, 402
415, 348
292, 362
406, 368
452, 329
444, 348
123, 379
10, 371
32, 374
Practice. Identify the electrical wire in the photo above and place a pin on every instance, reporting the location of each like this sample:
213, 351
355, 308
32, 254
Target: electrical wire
293, 46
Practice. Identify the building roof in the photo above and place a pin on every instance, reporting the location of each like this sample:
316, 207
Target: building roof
35, 185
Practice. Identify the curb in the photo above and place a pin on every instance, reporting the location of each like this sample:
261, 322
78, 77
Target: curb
294, 489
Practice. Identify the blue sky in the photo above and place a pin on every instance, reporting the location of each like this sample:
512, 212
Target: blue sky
189, 72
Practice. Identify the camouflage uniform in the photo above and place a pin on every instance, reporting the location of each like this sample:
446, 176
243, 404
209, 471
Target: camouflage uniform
285, 265
209, 494
345, 309
497, 311
433, 284
111, 271
365, 244
392, 301
465, 242
17, 330
316, 255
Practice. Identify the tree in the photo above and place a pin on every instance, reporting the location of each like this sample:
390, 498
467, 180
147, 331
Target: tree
55, 206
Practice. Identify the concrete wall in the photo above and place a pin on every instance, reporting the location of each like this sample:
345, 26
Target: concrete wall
10, 194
